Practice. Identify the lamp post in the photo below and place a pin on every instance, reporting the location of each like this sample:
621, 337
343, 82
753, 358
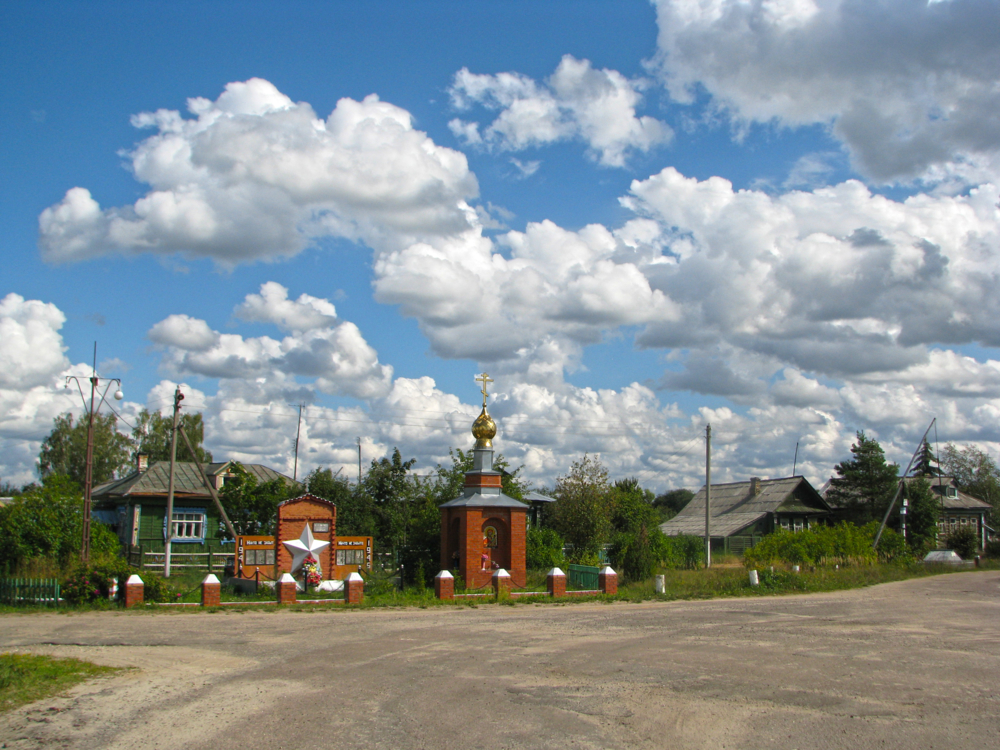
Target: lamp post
88, 480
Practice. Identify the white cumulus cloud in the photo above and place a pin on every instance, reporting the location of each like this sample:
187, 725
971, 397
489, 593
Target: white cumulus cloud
576, 102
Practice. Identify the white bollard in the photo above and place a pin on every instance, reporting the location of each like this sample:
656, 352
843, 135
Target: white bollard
754, 580
795, 568
661, 584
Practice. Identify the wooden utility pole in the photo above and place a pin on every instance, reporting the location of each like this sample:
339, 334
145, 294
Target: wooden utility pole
298, 429
211, 489
708, 496
178, 397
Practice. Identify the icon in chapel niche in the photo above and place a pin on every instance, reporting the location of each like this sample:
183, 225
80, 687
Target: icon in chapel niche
490, 537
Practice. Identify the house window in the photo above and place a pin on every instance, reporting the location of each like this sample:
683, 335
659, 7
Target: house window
188, 525
797, 525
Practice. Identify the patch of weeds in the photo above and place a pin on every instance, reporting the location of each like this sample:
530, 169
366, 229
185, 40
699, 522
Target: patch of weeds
26, 678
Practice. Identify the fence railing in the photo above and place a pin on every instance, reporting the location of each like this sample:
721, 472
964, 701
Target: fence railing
200, 560
15, 591
583, 576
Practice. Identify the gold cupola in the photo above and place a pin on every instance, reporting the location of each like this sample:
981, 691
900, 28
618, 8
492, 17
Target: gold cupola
484, 429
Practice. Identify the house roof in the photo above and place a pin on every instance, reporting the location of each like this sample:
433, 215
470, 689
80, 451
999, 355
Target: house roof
734, 507
478, 500
187, 481
962, 500
534, 497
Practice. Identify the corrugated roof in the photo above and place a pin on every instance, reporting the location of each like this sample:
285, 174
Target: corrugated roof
187, 481
734, 508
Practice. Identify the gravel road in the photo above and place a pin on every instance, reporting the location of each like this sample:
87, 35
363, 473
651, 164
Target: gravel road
909, 665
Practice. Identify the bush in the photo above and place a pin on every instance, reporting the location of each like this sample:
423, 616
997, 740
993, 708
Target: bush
964, 541
681, 551
843, 544
544, 549
90, 583
992, 549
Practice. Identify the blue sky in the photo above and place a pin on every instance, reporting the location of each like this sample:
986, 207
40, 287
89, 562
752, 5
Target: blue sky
777, 217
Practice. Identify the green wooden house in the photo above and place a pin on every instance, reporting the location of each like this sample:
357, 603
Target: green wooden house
742, 512
136, 506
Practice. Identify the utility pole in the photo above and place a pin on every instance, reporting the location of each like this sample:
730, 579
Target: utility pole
795, 461
708, 496
359, 461
298, 428
178, 397
88, 481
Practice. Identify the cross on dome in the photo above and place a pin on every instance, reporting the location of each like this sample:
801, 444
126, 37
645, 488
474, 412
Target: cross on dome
484, 379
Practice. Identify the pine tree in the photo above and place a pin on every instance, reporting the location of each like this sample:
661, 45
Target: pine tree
927, 463
865, 485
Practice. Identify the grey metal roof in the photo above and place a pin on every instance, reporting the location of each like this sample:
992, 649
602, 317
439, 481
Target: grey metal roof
187, 481
734, 508
479, 500
534, 497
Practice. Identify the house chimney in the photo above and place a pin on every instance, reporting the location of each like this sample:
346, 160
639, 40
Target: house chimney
141, 462
754, 486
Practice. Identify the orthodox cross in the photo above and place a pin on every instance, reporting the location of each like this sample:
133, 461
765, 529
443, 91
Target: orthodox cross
484, 379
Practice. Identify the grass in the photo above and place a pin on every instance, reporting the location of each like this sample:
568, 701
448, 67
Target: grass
722, 580
26, 678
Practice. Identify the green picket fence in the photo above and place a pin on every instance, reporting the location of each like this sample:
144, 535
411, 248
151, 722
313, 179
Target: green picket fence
583, 576
15, 591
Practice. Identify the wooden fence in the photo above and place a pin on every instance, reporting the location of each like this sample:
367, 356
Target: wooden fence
210, 561
15, 591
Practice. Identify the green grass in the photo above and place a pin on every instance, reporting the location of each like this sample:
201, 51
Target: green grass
26, 678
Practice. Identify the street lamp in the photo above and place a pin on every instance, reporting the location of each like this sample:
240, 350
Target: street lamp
89, 474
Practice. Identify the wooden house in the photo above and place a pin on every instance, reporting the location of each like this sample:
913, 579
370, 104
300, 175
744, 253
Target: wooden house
741, 512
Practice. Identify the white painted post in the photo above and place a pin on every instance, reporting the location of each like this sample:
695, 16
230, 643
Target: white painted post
754, 579
661, 584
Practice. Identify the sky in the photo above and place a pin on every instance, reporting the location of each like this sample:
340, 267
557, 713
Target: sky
776, 217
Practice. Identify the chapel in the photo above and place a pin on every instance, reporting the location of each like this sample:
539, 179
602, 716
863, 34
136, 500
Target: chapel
484, 530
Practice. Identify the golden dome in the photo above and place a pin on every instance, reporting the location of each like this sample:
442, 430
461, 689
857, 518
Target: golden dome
484, 429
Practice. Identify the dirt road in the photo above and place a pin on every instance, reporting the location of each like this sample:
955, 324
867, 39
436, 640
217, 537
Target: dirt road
905, 665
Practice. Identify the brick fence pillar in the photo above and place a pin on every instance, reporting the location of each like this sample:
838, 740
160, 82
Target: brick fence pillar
286, 588
607, 580
354, 589
211, 591
501, 582
444, 585
555, 582
134, 591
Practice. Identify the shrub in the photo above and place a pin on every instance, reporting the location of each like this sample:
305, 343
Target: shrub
544, 549
843, 544
681, 551
964, 541
992, 549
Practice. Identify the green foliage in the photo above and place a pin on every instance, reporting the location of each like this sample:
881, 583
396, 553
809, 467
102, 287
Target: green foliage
669, 504
252, 506
927, 463
637, 544
384, 496
964, 541
85, 584
582, 511
843, 544
64, 451
683, 551
47, 522
152, 437
922, 515
544, 549
864, 485
992, 549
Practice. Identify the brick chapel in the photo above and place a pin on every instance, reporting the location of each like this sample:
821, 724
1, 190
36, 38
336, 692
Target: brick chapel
484, 529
